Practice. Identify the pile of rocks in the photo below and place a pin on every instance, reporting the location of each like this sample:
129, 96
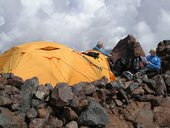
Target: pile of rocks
27, 104
127, 102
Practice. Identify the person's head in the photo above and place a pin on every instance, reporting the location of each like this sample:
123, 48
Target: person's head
100, 45
152, 52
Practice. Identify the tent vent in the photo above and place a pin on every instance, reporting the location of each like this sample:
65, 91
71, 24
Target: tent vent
49, 48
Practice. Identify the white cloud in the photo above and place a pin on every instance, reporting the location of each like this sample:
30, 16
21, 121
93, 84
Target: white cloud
147, 35
163, 26
2, 21
81, 23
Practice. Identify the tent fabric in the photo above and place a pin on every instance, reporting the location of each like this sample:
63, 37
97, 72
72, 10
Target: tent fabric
53, 63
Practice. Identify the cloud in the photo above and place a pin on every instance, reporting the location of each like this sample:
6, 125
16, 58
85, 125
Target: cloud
142, 28
80, 24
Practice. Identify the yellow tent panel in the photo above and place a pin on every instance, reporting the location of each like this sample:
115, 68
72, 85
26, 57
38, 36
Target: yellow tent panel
53, 63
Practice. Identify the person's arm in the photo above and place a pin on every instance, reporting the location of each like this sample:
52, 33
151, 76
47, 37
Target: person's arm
156, 65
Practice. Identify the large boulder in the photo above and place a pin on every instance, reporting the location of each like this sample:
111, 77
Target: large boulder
94, 115
9, 119
160, 85
127, 48
125, 55
62, 95
163, 51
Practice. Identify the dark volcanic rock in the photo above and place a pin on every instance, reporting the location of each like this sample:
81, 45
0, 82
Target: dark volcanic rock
167, 80
163, 51
42, 93
70, 114
62, 95
29, 88
72, 124
127, 48
125, 56
8, 119
160, 85
94, 115
140, 114
162, 114
31, 114
37, 123
54, 122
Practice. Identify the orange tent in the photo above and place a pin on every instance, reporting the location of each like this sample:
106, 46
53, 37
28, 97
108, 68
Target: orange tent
53, 63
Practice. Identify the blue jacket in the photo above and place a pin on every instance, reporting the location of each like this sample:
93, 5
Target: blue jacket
100, 50
155, 62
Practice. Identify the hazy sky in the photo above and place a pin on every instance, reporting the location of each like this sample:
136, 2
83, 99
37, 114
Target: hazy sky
81, 23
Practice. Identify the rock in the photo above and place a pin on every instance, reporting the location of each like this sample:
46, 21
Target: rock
28, 89
43, 113
163, 51
3, 80
84, 127
15, 107
167, 80
127, 47
35, 102
61, 95
128, 83
139, 113
89, 89
102, 95
125, 55
32, 114
94, 115
42, 92
151, 83
4, 101
112, 85
132, 87
37, 123
139, 81
74, 102
138, 91
72, 124
128, 75
83, 104
160, 85
7, 75
116, 121
118, 103
70, 114
54, 122
9, 119
16, 81
100, 83
162, 114
85, 87
49, 86
147, 90
154, 101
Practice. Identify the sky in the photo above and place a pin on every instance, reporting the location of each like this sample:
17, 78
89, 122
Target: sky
80, 24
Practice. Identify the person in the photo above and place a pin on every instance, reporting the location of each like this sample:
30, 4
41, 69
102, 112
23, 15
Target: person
151, 63
100, 47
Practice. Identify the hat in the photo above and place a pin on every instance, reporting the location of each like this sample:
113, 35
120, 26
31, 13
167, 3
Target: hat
100, 44
152, 50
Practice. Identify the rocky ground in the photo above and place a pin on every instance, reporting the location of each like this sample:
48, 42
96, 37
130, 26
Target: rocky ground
133, 101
